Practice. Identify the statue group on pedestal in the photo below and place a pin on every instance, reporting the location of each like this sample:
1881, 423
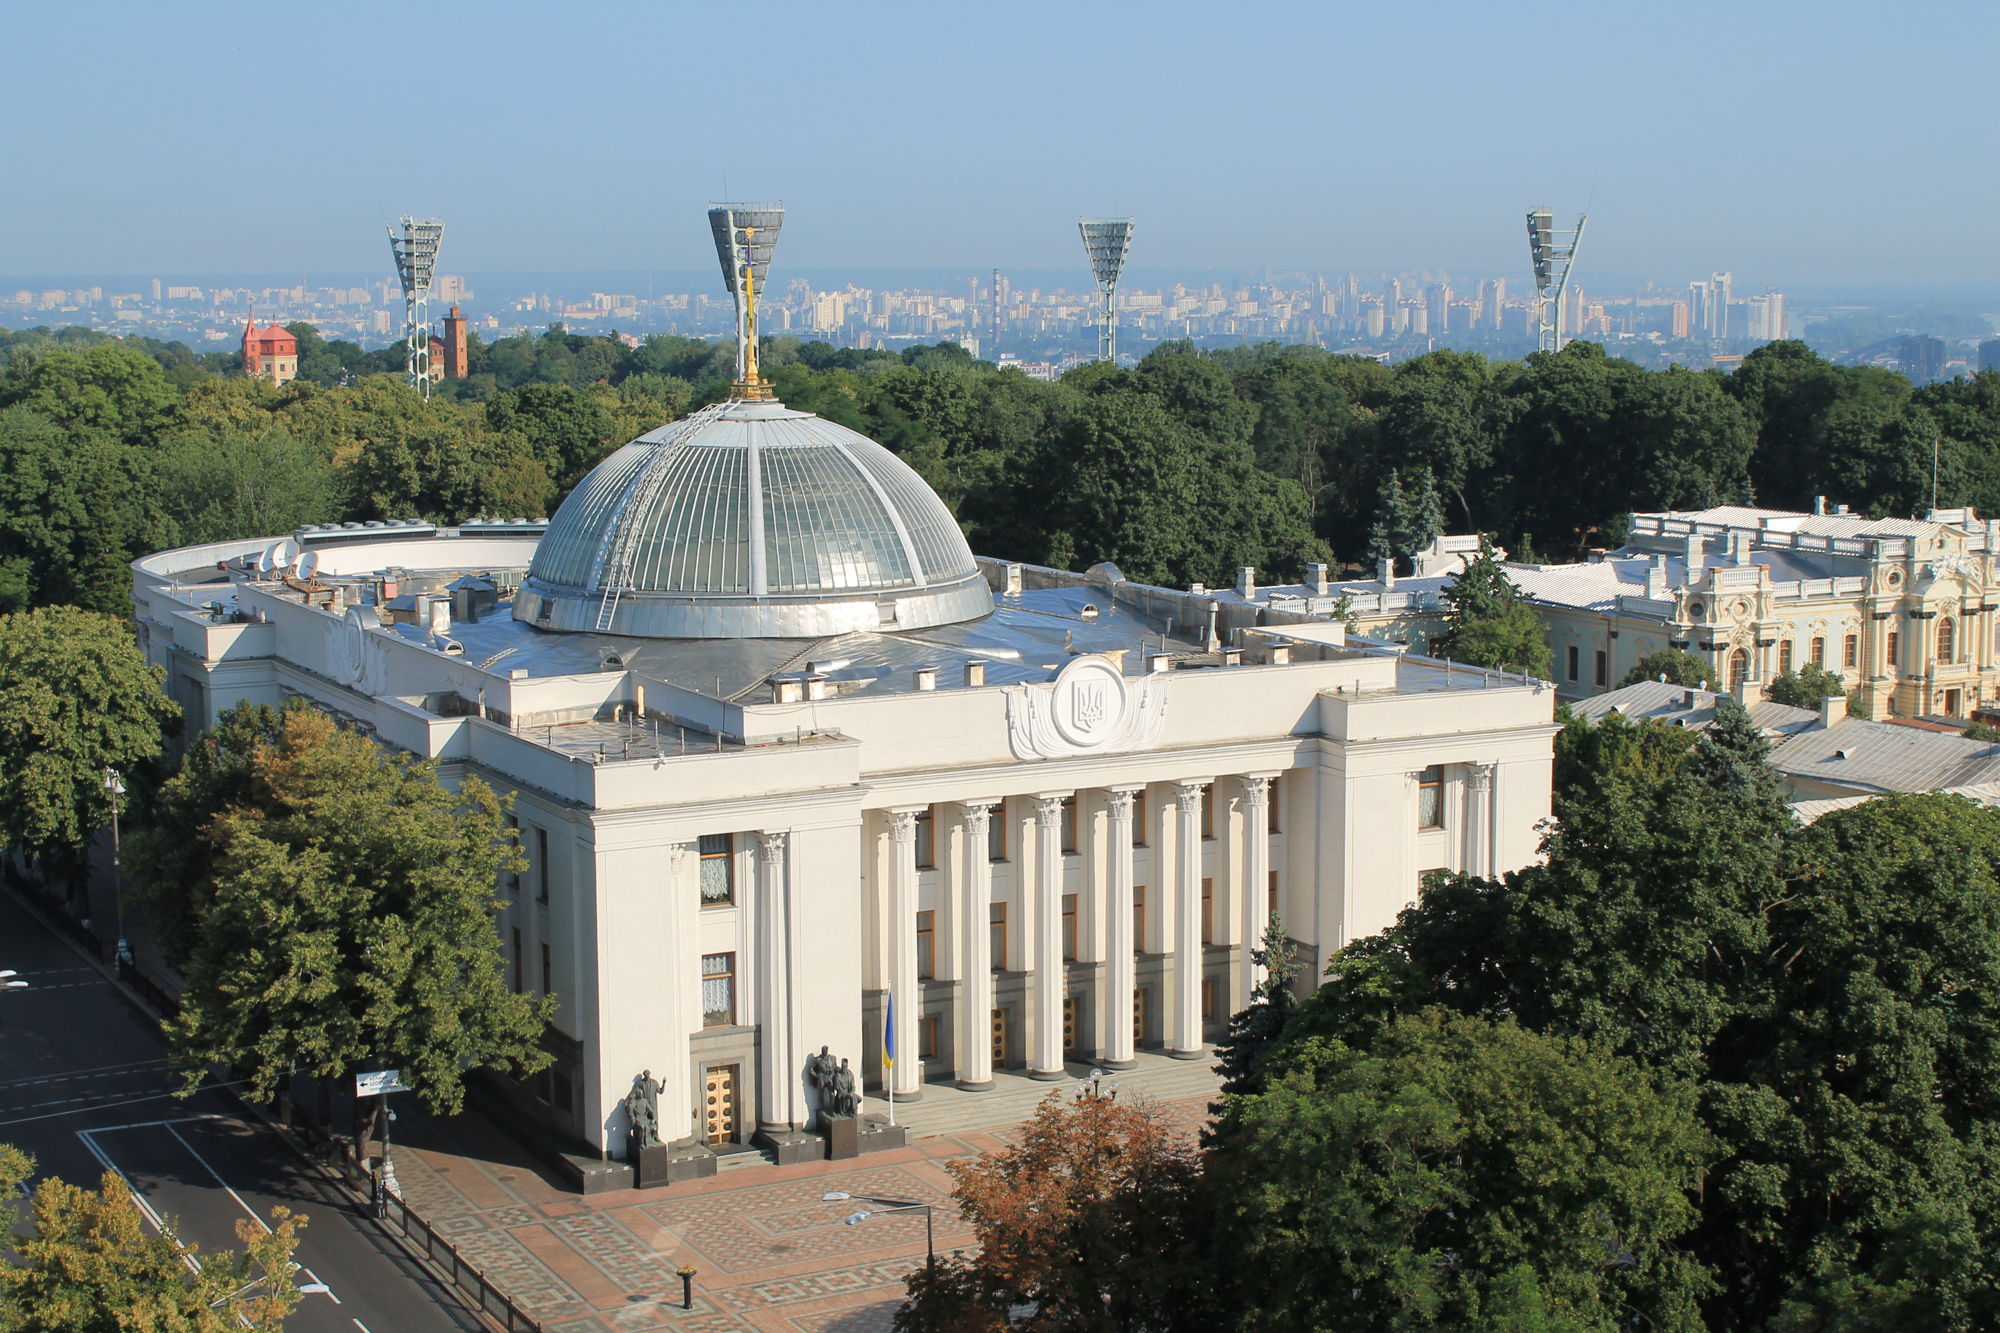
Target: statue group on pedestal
642, 1106
834, 1082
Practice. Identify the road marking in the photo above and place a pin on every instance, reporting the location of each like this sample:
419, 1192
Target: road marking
219, 1180
139, 1201
363, 1327
315, 1277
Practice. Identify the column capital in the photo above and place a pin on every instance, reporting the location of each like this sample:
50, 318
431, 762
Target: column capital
903, 825
680, 852
978, 814
1187, 793
1118, 800
1481, 775
1256, 790
773, 843
1048, 807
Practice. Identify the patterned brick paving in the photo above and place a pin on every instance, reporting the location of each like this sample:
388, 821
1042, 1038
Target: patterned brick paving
771, 1255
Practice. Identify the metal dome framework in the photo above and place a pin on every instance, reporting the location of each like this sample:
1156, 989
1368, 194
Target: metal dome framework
751, 520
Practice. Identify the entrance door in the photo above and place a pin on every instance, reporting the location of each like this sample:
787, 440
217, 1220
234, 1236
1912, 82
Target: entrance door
1139, 1018
719, 1104
999, 1038
1953, 701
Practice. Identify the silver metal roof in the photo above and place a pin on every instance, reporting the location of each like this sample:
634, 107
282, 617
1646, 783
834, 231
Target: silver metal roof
751, 520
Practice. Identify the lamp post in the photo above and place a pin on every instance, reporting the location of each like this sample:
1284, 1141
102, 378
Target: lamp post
890, 1206
115, 787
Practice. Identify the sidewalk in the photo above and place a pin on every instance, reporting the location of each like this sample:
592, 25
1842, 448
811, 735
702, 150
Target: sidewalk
771, 1255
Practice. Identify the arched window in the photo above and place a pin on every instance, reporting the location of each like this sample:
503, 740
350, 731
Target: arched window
1946, 635
1739, 668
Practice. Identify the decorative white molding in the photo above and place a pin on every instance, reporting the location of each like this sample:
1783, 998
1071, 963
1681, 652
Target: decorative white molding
1090, 707
1118, 800
903, 825
978, 816
1188, 795
1048, 809
1256, 792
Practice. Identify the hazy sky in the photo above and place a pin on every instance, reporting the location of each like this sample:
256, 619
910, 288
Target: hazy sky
1790, 143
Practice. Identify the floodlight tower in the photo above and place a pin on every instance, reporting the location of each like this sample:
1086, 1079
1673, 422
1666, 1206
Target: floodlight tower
416, 252
1552, 252
746, 236
1106, 240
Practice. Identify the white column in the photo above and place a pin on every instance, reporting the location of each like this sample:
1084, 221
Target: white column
1046, 987
975, 990
1120, 976
683, 1016
778, 1072
1184, 1039
906, 1075
1256, 880
1483, 858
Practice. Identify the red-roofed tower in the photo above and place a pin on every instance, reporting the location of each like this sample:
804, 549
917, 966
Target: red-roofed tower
270, 352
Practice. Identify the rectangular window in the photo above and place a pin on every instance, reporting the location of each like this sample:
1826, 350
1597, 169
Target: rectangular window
926, 945
1138, 918
1430, 797
514, 876
1208, 911
718, 870
929, 1029
548, 972
1603, 667
926, 839
1850, 651
1276, 804
1069, 927
1069, 823
1895, 652
996, 833
520, 963
541, 865
1208, 999
718, 990
996, 941
1784, 656
1208, 812
1139, 818
1570, 660
1818, 651
1273, 894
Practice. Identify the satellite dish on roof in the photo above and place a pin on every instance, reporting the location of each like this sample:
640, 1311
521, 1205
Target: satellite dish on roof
268, 561
308, 565
286, 553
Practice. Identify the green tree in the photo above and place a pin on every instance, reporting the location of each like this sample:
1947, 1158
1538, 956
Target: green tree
1091, 1223
90, 1264
1808, 687
1673, 665
567, 430
108, 387
1254, 1030
347, 918
255, 482
76, 697
1488, 620
1406, 519
1457, 1173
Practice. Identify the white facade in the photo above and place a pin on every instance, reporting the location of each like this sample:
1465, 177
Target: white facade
1052, 831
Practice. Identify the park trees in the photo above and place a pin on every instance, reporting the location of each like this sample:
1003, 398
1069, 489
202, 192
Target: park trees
1675, 666
91, 1265
77, 697
1488, 621
1091, 1223
1808, 687
331, 907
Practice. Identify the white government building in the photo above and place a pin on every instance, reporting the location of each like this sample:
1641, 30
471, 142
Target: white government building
780, 746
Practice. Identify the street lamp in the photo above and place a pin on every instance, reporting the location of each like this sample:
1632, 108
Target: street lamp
303, 1289
889, 1206
115, 787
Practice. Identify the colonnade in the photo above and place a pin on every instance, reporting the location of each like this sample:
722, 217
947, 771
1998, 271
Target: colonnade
1041, 875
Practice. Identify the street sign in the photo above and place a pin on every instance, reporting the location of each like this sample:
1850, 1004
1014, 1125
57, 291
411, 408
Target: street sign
380, 1082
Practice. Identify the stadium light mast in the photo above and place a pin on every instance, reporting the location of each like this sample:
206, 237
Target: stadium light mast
416, 252
1106, 240
746, 236
1552, 252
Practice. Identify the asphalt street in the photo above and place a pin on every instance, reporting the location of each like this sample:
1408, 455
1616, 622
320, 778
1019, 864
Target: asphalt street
85, 1086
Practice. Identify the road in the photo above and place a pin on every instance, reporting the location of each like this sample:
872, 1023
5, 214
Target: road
85, 1086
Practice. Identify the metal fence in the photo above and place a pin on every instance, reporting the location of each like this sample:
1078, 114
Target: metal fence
444, 1256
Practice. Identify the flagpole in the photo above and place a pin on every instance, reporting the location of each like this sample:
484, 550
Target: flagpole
888, 1040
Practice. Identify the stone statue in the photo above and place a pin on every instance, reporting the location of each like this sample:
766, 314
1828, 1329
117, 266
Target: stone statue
819, 1073
642, 1107
846, 1099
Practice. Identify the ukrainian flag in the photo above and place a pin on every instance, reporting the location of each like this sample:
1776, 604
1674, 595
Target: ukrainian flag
889, 1030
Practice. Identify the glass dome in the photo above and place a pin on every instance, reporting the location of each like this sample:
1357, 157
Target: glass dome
750, 520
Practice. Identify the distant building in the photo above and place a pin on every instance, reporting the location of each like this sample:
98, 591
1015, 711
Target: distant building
1989, 354
454, 345
270, 353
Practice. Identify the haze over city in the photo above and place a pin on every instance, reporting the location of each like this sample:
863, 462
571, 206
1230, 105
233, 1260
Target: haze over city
254, 139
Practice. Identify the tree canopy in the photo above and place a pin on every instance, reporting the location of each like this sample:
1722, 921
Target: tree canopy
1488, 620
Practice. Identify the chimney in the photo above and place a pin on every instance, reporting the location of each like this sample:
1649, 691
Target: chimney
1246, 581
1695, 555
816, 687
1656, 579
1316, 579
1013, 580
1281, 654
440, 615
1159, 662
926, 678
1819, 506
975, 673
1831, 710
1232, 657
1385, 570
787, 689
1739, 548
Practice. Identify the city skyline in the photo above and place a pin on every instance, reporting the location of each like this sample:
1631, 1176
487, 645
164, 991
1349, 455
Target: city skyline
1702, 139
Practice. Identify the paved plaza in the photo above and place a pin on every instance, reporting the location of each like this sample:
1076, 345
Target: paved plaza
771, 1254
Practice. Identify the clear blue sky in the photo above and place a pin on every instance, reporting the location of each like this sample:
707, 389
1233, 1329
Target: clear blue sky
1790, 143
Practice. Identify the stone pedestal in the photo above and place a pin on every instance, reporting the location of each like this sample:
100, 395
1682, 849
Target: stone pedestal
654, 1166
877, 1135
791, 1146
843, 1137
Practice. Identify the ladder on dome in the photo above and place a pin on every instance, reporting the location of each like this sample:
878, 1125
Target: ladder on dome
640, 493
